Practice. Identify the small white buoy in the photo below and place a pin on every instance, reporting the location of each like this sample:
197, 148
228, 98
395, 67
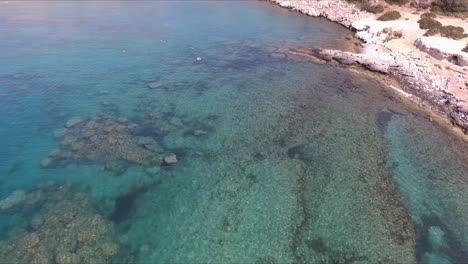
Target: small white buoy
199, 58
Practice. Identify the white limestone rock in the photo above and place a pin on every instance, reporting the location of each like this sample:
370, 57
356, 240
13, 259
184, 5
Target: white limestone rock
443, 49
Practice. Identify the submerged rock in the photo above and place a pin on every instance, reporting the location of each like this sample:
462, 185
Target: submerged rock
59, 133
175, 121
15, 198
29, 241
110, 248
46, 162
170, 160
436, 237
63, 229
278, 55
154, 85
150, 144
67, 258
73, 122
153, 170
104, 140
199, 132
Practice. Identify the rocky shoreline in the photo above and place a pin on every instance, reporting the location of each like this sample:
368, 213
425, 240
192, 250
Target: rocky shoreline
414, 72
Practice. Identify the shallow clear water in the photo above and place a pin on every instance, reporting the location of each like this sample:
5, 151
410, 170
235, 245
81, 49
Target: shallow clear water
279, 160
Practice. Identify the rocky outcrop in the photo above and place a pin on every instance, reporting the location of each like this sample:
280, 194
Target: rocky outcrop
418, 79
334, 10
375, 32
422, 4
411, 70
443, 49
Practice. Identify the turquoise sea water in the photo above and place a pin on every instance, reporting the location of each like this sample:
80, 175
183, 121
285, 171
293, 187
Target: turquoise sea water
279, 160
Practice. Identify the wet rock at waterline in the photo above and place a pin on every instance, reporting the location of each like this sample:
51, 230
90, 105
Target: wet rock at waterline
407, 72
278, 55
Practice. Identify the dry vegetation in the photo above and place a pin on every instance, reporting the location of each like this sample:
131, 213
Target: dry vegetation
390, 15
434, 27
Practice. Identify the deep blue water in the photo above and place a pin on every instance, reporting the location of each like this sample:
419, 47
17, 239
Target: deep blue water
279, 160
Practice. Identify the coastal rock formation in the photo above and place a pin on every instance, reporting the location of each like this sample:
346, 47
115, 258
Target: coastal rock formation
419, 79
105, 140
443, 49
423, 4
375, 32
421, 76
64, 230
334, 10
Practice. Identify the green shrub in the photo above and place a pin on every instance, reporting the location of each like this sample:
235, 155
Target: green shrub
436, 9
389, 38
428, 23
432, 32
390, 15
358, 1
397, 2
452, 32
445, 31
450, 6
374, 9
428, 15
366, 5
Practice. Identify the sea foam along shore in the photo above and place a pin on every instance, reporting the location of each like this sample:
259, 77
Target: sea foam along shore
417, 62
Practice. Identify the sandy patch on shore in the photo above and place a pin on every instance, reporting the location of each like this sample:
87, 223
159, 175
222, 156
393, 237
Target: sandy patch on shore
439, 77
457, 76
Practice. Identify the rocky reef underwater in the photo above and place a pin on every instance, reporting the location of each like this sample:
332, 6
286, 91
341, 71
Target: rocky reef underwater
269, 163
180, 145
117, 143
58, 226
